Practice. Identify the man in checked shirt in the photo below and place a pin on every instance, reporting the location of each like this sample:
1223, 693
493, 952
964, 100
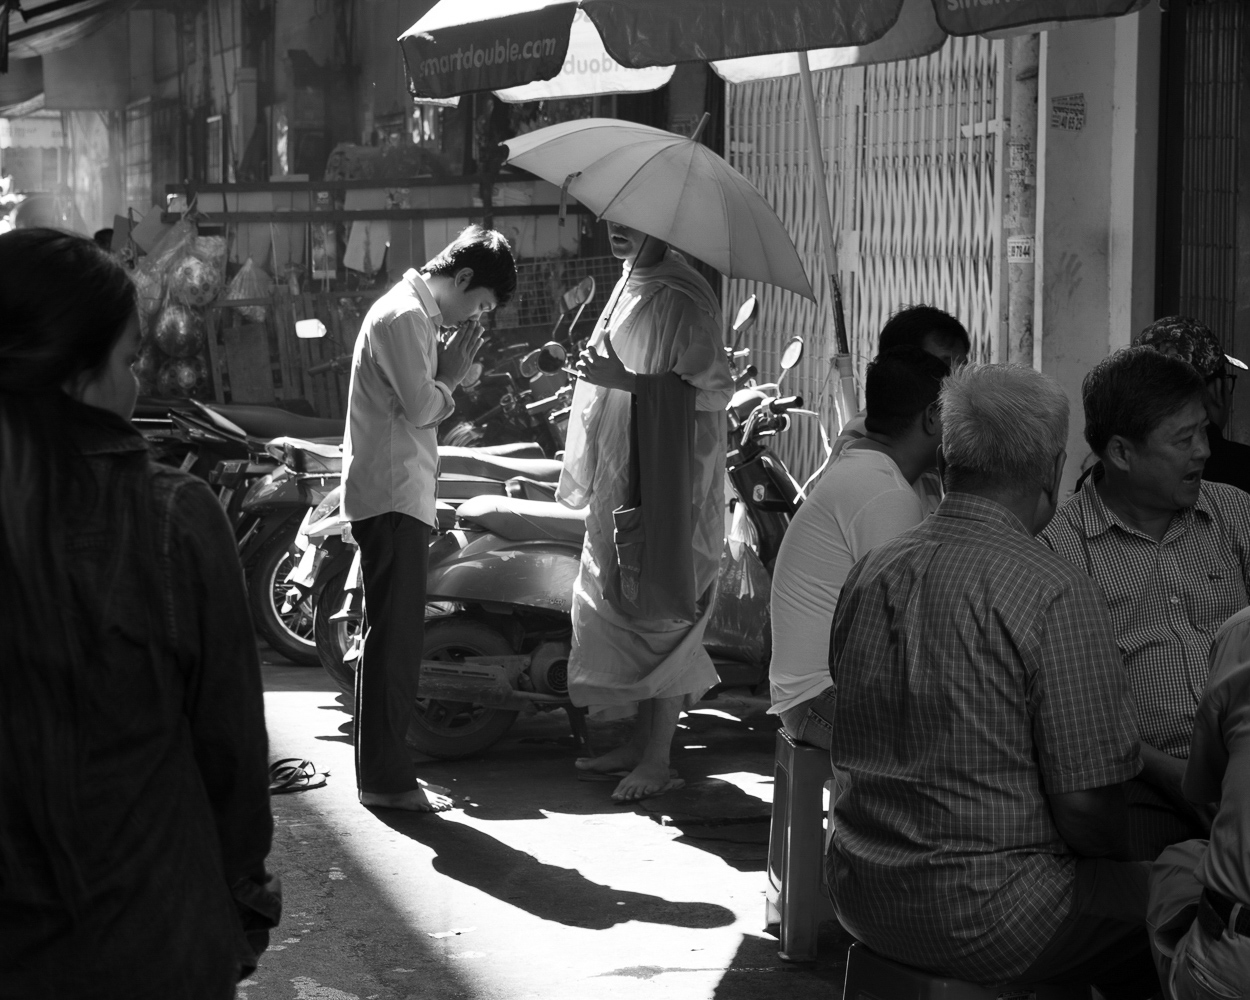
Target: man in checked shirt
986, 725
1172, 555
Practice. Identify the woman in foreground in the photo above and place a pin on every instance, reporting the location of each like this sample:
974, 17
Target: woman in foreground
134, 804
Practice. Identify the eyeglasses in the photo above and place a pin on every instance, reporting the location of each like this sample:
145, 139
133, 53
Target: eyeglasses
1230, 378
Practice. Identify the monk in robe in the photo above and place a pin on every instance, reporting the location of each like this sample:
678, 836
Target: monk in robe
662, 320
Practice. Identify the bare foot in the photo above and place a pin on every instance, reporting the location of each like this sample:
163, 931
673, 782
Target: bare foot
624, 758
647, 779
430, 798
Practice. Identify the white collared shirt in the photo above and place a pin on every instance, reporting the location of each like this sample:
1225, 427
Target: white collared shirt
394, 407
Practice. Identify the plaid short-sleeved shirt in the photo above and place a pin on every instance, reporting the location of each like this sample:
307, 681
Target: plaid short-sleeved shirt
976, 671
1167, 599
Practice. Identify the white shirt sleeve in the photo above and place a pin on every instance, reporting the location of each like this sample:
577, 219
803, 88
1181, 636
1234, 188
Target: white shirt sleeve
406, 354
889, 514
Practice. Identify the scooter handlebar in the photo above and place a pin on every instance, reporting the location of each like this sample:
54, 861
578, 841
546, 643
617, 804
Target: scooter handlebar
331, 365
541, 406
783, 403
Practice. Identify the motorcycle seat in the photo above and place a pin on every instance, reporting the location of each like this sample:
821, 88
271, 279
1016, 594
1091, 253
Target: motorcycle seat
513, 449
525, 520
312, 457
471, 462
269, 422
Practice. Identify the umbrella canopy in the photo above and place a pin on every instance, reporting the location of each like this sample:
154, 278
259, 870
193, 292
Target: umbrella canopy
458, 47
670, 187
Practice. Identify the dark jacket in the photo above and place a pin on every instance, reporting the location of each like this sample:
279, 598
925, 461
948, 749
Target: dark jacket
173, 784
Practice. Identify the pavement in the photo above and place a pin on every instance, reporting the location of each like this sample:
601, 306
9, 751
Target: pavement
536, 884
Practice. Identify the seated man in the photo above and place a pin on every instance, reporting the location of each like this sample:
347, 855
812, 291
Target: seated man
1192, 341
1200, 890
1170, 552
865, 498
984, 720
943, 336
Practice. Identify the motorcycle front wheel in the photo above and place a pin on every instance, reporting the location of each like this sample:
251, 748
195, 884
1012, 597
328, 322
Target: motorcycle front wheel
290, 634
334, 639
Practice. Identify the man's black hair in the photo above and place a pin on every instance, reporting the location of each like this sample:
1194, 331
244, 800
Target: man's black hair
901, 382
487, 253
1132, 391
913, 324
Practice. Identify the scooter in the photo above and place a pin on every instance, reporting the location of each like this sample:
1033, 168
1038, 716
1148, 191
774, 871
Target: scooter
500, 585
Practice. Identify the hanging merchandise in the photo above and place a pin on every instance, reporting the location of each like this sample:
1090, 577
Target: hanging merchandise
194, 281
171, 248
250, 283
147, 291
179, 331
211, 249
325, 245
182, 377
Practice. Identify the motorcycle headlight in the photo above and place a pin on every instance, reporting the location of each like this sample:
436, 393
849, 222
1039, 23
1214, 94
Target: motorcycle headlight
327, 506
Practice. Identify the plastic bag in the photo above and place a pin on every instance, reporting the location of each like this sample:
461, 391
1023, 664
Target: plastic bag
171, 248
250, 283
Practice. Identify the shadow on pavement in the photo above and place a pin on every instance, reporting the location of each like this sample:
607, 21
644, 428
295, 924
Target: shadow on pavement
756, 973
340, 935
546, 891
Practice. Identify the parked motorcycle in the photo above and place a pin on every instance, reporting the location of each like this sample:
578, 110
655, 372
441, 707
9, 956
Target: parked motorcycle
500, 585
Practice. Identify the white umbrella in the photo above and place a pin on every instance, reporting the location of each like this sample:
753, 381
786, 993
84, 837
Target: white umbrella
668, 186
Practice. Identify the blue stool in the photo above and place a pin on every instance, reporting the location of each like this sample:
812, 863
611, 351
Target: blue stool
871, 977
797, 896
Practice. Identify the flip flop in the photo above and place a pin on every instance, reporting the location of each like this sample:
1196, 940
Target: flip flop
673, 785
291, 774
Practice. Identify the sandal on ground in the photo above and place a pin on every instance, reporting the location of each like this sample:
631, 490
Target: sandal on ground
291, 774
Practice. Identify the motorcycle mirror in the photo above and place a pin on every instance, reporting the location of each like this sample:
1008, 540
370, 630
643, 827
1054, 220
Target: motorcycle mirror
530, 365
792, 354
579, 294
748, 313
309, 329
474, 375
551, 357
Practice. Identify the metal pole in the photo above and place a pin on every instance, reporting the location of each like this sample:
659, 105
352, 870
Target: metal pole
1020, 207
828, 243
846, 399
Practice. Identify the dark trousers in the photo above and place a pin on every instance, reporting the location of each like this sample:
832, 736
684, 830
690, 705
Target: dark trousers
1103, 940
394, 552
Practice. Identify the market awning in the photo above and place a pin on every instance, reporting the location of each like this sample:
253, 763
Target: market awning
35, 27
459, 48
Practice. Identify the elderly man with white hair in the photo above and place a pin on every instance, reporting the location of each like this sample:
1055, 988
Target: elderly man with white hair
986, 725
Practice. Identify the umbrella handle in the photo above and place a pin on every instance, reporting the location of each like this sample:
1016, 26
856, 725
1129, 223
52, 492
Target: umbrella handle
564, 194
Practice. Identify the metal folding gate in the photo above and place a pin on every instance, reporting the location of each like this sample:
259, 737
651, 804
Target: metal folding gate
913, 152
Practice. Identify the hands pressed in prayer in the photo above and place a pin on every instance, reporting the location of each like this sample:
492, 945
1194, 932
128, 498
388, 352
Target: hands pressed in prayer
456, 353
607, 371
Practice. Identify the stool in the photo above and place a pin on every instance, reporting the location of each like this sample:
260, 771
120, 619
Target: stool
871, 977
797, 898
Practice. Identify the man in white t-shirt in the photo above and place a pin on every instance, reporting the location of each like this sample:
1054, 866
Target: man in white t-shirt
864, 498
943, 336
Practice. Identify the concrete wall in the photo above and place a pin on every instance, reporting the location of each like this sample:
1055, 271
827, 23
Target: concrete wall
1097, 179
383, 81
